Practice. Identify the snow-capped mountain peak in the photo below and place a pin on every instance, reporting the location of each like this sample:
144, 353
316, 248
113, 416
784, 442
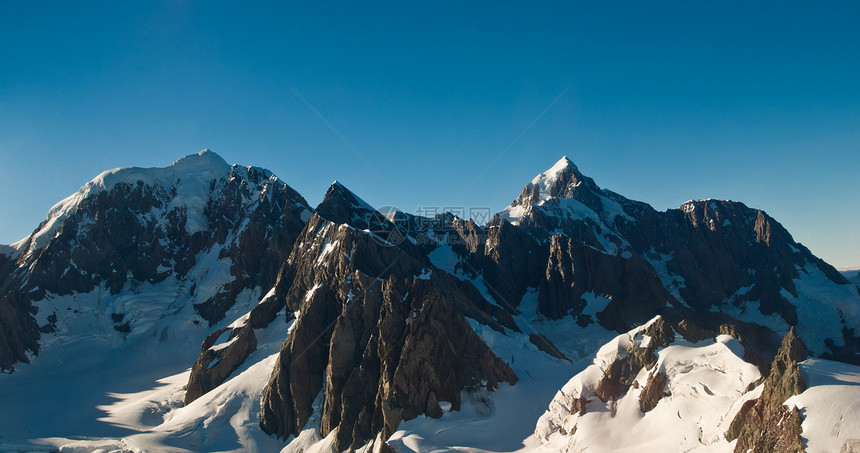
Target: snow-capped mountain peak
203, 159
562, 164
189, 176
553, 173
553, 182
342, 205
562, 192
205, 165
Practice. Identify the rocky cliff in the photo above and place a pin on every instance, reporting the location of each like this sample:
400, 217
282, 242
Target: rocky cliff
380, 333
764, 424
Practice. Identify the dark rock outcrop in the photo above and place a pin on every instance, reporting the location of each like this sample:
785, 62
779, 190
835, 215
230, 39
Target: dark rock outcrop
215, 365
392, 353
765, 425
262, 237
620, 375
111, 236
19, 333
544, 344
204, 376
654, 391
572, 270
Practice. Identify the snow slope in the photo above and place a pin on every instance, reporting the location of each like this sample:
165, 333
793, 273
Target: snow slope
92, 396
492, 421
706, 382
80, 367
830, 406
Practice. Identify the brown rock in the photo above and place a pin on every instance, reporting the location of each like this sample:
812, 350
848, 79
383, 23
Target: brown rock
572, 270
544, 344
654, 391
620, 375
213, 367
765, 425
386, 346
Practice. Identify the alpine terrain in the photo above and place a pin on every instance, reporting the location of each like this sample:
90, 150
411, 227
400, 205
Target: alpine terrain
207, 307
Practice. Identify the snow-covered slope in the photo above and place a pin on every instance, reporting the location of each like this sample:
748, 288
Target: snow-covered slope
93, 396
823, 307
704, 385
700, 389
830, 406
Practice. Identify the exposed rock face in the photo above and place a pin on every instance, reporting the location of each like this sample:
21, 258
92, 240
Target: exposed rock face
19, 332
262, 236
508, 259
544, 344
393, 353
573, 270
765, 424
513, 262
654, 390
381, 344
133, 226
621, 373
215, 364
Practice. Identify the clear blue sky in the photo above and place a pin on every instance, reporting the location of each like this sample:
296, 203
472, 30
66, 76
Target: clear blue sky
440, 103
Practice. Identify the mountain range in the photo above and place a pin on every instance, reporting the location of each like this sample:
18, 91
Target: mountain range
208, 307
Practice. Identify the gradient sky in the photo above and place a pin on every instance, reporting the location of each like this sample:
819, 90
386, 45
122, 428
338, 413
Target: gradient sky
444, 104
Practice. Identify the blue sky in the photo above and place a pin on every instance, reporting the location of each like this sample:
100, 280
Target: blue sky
444, 104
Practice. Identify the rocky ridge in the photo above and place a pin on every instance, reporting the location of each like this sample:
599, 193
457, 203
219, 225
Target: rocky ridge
379, 331
764, 424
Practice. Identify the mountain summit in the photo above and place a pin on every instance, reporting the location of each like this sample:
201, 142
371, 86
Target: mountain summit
558, 182
562, 192
199, 226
